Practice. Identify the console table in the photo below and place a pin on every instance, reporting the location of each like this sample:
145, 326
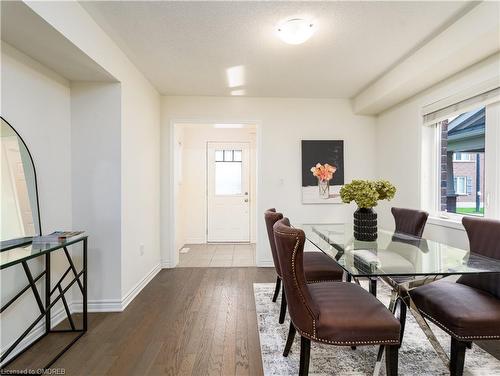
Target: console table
19, 253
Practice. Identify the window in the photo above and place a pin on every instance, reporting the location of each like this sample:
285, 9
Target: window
228, 168
460, 156
228, 156
463, 157
463, 185
462, 138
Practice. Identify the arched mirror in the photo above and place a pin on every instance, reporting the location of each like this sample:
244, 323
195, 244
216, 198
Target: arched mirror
20, 214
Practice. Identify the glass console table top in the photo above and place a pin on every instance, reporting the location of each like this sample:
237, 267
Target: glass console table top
394, 254
12, 256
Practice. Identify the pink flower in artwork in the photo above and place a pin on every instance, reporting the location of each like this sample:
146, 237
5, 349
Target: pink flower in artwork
323, 171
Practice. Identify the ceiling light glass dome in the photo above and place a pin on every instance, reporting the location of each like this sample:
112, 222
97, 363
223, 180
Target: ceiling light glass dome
295, 30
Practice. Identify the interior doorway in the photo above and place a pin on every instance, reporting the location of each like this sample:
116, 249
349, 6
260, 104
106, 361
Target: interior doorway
215, 194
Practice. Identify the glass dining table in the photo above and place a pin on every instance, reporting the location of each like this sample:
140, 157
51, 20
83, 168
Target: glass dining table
402, 262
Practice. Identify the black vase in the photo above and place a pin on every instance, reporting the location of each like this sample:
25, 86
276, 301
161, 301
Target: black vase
365, 224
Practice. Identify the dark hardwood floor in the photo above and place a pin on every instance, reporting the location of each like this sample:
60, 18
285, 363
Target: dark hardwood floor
187, 321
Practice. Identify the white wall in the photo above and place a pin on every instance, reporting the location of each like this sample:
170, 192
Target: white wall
192, 195
399, 142
36, 102
96, 149
96, 184
140, 134
282, 124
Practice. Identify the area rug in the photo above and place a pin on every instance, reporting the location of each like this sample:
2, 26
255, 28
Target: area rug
416, 356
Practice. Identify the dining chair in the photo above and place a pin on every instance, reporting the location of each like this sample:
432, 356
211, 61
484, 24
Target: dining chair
318, 267
408, 222
468, 309
334, 313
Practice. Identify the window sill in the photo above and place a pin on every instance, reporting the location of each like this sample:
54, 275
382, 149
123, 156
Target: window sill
446, 222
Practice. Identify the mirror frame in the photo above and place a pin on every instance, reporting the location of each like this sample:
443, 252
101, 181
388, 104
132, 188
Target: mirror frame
25, 239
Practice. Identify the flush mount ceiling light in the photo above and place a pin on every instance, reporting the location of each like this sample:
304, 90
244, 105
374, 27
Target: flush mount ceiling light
296, 30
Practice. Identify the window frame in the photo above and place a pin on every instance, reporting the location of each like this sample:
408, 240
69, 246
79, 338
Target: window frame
430, 167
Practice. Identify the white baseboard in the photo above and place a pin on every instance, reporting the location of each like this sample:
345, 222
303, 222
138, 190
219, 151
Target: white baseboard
105, 305
134, 291
118, 305
195, 241
265, 263
167, 264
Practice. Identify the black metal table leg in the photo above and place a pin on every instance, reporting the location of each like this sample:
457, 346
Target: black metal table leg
66, 308
45, 309
372, 286
72, 266
84, 292
48, 323
33, 324
33, 286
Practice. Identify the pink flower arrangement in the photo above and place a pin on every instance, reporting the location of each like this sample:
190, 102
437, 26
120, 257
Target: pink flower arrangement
323, 172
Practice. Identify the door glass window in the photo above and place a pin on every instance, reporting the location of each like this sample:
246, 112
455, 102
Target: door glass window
237, 155
228, 155
219, 155
228, 168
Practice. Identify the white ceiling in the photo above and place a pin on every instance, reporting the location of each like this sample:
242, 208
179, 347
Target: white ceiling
185, 48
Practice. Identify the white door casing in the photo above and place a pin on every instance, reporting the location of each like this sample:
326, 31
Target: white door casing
228, 192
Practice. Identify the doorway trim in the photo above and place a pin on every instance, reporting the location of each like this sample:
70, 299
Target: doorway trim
172, 253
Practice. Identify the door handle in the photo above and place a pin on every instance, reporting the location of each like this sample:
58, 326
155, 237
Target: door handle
246, 200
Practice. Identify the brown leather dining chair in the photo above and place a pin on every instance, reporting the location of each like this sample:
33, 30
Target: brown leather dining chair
335, 313
408, 222
468, 309
317, 266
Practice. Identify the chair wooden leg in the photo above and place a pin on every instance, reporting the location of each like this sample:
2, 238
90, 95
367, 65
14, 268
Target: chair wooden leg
283, 306
372, 286
305, 351
457, 357
402, 320
391, 360
289, 340
277, 289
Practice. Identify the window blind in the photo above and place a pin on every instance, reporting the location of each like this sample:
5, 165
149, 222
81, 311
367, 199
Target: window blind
433, 115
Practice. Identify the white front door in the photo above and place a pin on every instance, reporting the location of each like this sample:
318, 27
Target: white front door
228, 192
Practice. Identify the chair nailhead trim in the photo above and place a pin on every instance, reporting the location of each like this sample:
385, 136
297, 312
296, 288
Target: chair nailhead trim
349, 343
295, 248
446, 329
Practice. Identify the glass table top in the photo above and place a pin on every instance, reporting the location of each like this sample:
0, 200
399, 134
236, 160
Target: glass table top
394, 254
12, 256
